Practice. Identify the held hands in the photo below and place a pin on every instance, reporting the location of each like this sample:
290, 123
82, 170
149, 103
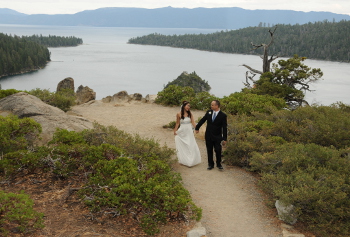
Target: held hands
197, 131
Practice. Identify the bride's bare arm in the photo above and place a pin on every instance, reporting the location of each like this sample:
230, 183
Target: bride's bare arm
177, 123
192, 121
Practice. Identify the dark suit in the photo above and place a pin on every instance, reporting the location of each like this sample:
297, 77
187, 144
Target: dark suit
215, 133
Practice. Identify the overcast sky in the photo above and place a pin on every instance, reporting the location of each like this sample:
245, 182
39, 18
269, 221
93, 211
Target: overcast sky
74, 6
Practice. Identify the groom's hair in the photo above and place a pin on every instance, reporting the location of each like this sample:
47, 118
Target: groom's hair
217, 103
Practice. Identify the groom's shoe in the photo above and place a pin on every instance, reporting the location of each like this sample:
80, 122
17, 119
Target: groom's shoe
210, 168
220, 167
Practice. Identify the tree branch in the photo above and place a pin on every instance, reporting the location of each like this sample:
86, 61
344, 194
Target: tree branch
252, 69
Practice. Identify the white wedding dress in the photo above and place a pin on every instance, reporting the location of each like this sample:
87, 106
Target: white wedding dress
186, 146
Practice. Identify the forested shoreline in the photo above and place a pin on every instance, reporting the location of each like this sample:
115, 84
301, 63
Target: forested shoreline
54, 41
320, 40
29, 53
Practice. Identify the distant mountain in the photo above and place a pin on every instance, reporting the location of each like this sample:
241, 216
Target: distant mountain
168, 17
6, 11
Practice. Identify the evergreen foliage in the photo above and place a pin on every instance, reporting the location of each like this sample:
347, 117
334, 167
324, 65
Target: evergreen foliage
191, 80
288, 79
127, 174
63, 99
4, 93
17, 213
28, 53
320, 40
18, 55
173, 95
17, 134
200, 101
303, 158
314, 179
54, 41
248, 103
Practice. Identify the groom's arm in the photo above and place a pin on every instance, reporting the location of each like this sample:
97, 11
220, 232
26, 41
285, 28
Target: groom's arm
224, 129
200, 123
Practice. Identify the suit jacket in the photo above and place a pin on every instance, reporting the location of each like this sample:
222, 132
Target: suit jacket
217, 129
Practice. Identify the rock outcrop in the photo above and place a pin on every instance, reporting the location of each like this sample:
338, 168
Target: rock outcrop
85, 94
67, 83
136, 96
50, 118
123, 96
150, 98
286, 213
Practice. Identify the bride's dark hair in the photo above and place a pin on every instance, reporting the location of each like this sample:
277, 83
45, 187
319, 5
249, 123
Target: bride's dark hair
184, 103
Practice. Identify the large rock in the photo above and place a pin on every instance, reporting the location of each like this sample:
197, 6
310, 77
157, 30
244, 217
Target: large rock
107, 99
50, 118
136, 96
85, 94
286, 213
67, 83
150, 98
120, 97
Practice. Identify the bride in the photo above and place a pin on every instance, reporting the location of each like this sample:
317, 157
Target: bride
186, 147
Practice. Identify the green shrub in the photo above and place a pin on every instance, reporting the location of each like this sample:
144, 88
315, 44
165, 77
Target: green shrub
63, 136
200, 101
126, 173
190, 80
4, 93
63, 99
131, 144
17, 134
171, 124
173, 95
314, 179
152, 192
17, 213
323, 125
247, 103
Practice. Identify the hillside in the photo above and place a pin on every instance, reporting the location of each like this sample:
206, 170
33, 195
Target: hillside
321, 40
169, 17
18, 55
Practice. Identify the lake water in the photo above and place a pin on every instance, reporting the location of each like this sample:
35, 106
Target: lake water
107, 64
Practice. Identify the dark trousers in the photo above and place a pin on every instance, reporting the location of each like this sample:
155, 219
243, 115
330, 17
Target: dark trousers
216, 146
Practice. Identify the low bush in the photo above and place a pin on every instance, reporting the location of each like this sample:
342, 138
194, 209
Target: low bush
120, 172
247, 103
171, 124
63, 99
173, 95
201, 100
303, 158
17, 214
190, 80
152, 192
17, 134
4, 93
323, 125
132, 144
314, 179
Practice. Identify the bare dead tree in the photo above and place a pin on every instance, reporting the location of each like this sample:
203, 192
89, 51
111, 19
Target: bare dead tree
265, 57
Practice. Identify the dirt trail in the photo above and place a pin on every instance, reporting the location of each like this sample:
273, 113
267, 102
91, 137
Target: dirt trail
232, 204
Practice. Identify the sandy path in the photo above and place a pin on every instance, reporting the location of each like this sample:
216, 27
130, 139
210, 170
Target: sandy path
232, 205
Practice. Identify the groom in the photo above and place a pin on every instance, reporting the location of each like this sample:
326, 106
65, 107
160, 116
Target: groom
215, 133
